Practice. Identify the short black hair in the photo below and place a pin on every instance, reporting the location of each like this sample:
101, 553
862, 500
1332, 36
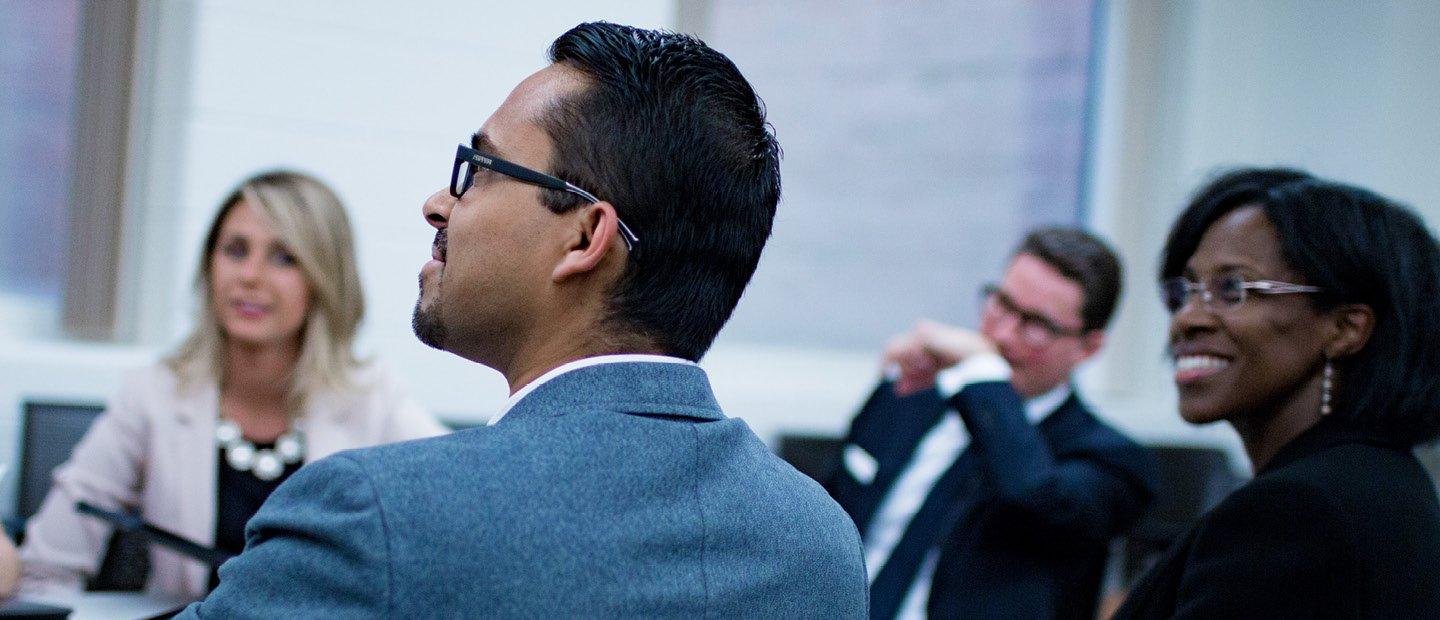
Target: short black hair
1085, 260
1359, 247
671, 134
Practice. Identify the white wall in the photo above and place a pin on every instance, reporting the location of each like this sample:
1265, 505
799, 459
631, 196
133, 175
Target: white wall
1347, 89
371, 96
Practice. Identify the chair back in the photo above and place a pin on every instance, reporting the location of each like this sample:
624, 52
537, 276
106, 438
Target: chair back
52, 430
50, 433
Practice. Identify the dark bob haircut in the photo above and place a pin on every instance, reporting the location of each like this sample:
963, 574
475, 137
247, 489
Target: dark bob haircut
1359, 247
672, 135
1085, 260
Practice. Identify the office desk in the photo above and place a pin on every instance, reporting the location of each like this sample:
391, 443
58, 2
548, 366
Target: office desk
96, 605
117, 605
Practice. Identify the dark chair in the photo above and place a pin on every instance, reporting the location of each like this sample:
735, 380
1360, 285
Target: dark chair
459, 423
1192, 481
51, 431
813, 455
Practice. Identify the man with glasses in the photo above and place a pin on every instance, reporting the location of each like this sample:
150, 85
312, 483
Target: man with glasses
981, 483
596, 234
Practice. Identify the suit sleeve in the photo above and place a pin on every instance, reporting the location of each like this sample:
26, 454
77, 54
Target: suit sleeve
317, 548
1086, 500
1272, 550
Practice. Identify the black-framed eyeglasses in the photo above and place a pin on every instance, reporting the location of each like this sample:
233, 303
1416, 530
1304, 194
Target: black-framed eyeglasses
469, 158
1034, 328
1221, 293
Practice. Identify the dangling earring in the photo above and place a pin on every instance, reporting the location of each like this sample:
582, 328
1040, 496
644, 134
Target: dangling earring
1326, 385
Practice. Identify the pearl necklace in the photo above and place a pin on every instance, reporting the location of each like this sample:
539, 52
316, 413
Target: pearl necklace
267, 464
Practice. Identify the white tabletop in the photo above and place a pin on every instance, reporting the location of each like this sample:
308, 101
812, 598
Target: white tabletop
119, 605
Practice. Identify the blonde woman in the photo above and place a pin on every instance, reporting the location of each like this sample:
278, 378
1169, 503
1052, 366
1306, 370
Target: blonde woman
265, 383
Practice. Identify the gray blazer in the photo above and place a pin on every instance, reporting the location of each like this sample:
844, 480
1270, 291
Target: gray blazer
611, 490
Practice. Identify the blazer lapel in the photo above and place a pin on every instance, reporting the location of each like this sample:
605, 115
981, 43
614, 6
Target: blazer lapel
197, 413
892, 432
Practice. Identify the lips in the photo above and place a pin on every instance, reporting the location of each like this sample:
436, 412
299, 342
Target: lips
250, 309
437, 249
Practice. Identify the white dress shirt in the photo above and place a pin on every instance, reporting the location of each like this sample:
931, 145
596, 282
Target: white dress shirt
935, 454
577, 365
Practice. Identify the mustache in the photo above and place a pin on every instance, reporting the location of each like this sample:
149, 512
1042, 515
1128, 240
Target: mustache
440, 242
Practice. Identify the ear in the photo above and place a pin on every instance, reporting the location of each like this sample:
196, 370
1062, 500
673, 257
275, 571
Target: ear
1090, 343
596, 229
1352, 325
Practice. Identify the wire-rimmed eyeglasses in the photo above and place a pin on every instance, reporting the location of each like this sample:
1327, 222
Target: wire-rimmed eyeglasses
1225, 292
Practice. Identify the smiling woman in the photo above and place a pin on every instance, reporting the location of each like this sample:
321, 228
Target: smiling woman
265, 383
1304, 315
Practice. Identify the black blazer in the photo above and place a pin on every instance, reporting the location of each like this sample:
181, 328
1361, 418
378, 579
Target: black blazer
1030, 509
1340, 524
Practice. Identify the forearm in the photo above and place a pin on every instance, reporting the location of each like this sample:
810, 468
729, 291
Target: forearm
62, 547
9, 567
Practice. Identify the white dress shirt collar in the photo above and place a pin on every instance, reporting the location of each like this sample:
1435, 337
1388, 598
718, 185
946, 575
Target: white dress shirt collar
578, 364
1040, 407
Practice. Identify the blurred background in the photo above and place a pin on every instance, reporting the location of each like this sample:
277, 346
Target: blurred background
921, 140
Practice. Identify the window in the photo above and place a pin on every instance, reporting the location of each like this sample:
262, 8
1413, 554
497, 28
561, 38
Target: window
64, 118
37, 67
921, 141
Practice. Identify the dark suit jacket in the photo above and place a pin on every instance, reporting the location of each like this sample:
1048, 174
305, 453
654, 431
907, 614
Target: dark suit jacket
1031, 508
1340, 524
614, 491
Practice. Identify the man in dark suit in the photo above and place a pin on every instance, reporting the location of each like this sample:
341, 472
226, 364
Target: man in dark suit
611, 485
982, 483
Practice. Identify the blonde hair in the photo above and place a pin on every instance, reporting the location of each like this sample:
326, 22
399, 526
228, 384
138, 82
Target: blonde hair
309, 219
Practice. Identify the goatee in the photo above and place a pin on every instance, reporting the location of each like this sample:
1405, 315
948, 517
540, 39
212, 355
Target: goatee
427, 326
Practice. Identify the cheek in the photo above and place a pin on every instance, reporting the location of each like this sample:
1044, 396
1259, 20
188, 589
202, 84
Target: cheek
1277, 355
295, 292
1057, 361
1274, 343
220, 274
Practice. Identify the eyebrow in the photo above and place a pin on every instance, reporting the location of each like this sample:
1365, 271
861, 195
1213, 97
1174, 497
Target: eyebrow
275, 242
1031, 312
1223, 267
482, 142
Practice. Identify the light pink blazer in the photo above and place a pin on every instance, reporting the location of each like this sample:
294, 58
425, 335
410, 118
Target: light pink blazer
154, 450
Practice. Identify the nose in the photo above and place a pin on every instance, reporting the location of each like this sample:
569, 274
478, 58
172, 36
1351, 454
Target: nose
1191, 318
437, 208
1002, 328
251, 267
